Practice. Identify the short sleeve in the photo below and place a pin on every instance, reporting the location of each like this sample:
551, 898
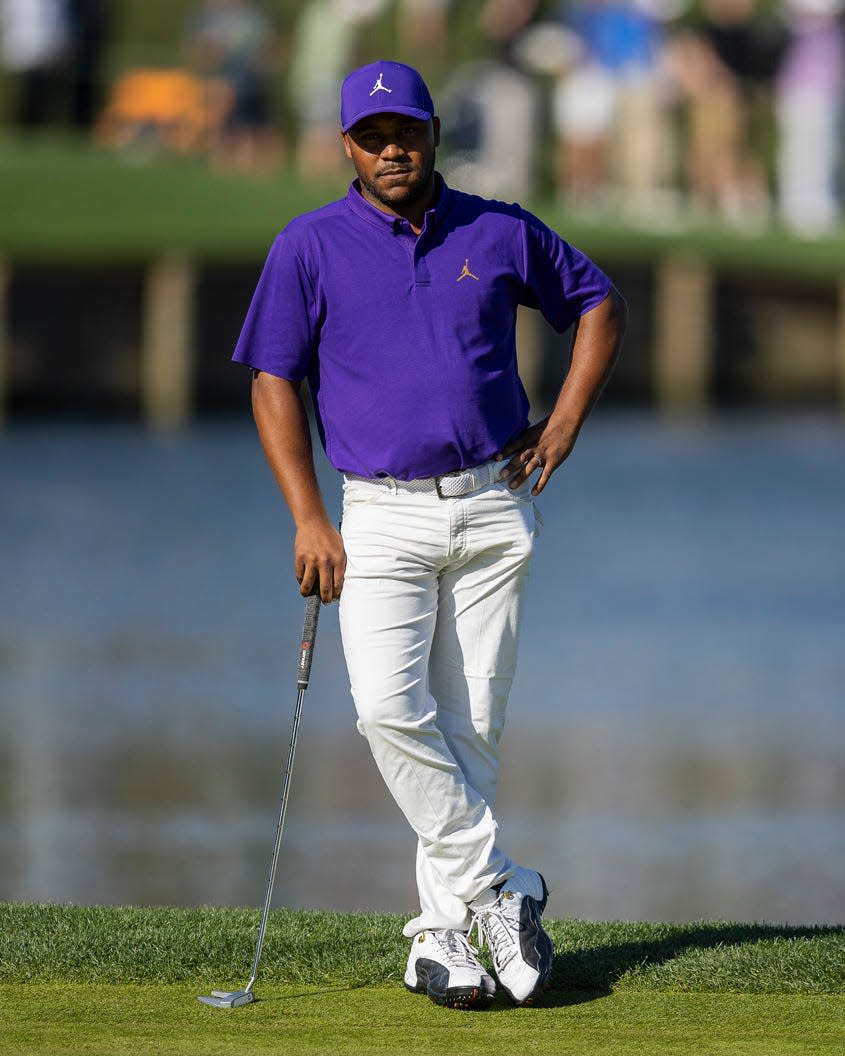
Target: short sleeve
560, 280
278, 332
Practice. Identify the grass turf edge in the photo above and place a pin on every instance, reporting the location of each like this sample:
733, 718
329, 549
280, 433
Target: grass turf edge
213, 947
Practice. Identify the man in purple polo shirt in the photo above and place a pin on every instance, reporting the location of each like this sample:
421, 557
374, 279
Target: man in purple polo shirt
398, 304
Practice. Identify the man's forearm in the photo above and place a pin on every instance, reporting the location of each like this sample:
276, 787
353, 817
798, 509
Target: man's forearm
595, 349
286, 438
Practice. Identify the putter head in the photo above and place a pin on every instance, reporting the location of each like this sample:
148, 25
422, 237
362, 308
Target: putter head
228, 998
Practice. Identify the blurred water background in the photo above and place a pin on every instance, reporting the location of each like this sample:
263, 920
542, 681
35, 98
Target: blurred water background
676, 734
676, 744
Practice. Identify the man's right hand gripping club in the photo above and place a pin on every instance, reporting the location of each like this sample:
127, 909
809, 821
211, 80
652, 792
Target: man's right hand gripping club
319, 557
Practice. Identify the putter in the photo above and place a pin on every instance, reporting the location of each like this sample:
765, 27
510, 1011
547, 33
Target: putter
235, 998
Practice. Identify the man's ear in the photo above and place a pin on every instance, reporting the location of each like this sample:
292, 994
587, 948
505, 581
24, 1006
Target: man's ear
435, 122
345, 137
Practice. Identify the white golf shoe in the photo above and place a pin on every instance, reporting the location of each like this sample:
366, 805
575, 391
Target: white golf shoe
508, 919
445, 966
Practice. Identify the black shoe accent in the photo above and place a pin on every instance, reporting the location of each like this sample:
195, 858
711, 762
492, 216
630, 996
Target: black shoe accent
433, 979
535, 945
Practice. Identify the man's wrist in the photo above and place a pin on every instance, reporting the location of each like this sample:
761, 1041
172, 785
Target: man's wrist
317, 520
565, 422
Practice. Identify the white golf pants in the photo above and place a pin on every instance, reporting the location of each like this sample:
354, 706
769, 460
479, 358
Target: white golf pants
429, 617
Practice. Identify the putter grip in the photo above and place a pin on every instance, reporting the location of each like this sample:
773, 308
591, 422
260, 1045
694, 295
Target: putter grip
309, 636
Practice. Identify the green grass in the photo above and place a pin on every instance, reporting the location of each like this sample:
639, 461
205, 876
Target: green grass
129, 945
124, 980
72, 1018
71, 202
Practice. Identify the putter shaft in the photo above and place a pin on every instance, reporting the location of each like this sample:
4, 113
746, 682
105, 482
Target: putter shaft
280, 827
235, 998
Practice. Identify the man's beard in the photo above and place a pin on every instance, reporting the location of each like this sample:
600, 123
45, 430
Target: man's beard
407, 195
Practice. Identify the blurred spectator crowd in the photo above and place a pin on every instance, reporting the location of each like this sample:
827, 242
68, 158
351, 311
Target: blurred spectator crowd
730, 109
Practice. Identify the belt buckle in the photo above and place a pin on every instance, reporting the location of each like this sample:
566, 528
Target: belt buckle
444, 476
457, 473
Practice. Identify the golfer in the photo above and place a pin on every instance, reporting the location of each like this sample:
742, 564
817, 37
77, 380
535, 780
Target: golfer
398, 304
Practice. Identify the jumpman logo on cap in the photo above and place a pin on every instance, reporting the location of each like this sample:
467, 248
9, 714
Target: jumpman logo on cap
379, 87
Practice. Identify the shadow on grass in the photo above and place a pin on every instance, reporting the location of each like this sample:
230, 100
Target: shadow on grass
587, 973
299, 995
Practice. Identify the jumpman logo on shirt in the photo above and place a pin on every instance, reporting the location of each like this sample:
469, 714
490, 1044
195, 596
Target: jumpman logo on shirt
379, 87
466, 273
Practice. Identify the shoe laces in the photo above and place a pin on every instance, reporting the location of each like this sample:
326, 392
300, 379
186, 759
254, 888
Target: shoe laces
457, 949
499, 925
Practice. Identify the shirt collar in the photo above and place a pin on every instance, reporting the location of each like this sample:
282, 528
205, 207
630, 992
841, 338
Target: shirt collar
373, 215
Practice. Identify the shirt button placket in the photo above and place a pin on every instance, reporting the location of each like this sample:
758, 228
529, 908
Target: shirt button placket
421, 275
402, 230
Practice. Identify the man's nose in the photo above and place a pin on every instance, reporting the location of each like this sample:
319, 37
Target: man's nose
391, 149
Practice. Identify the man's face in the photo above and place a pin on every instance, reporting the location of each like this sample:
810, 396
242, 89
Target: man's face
394, 158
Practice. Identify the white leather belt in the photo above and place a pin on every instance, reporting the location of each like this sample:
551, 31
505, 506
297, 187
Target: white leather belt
448, 486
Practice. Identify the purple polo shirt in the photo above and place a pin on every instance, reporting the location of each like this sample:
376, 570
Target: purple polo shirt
408, 343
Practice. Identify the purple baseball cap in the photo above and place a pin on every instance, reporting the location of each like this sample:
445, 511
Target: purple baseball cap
384, 88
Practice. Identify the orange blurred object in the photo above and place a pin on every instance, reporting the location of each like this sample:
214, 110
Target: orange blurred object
180, 111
